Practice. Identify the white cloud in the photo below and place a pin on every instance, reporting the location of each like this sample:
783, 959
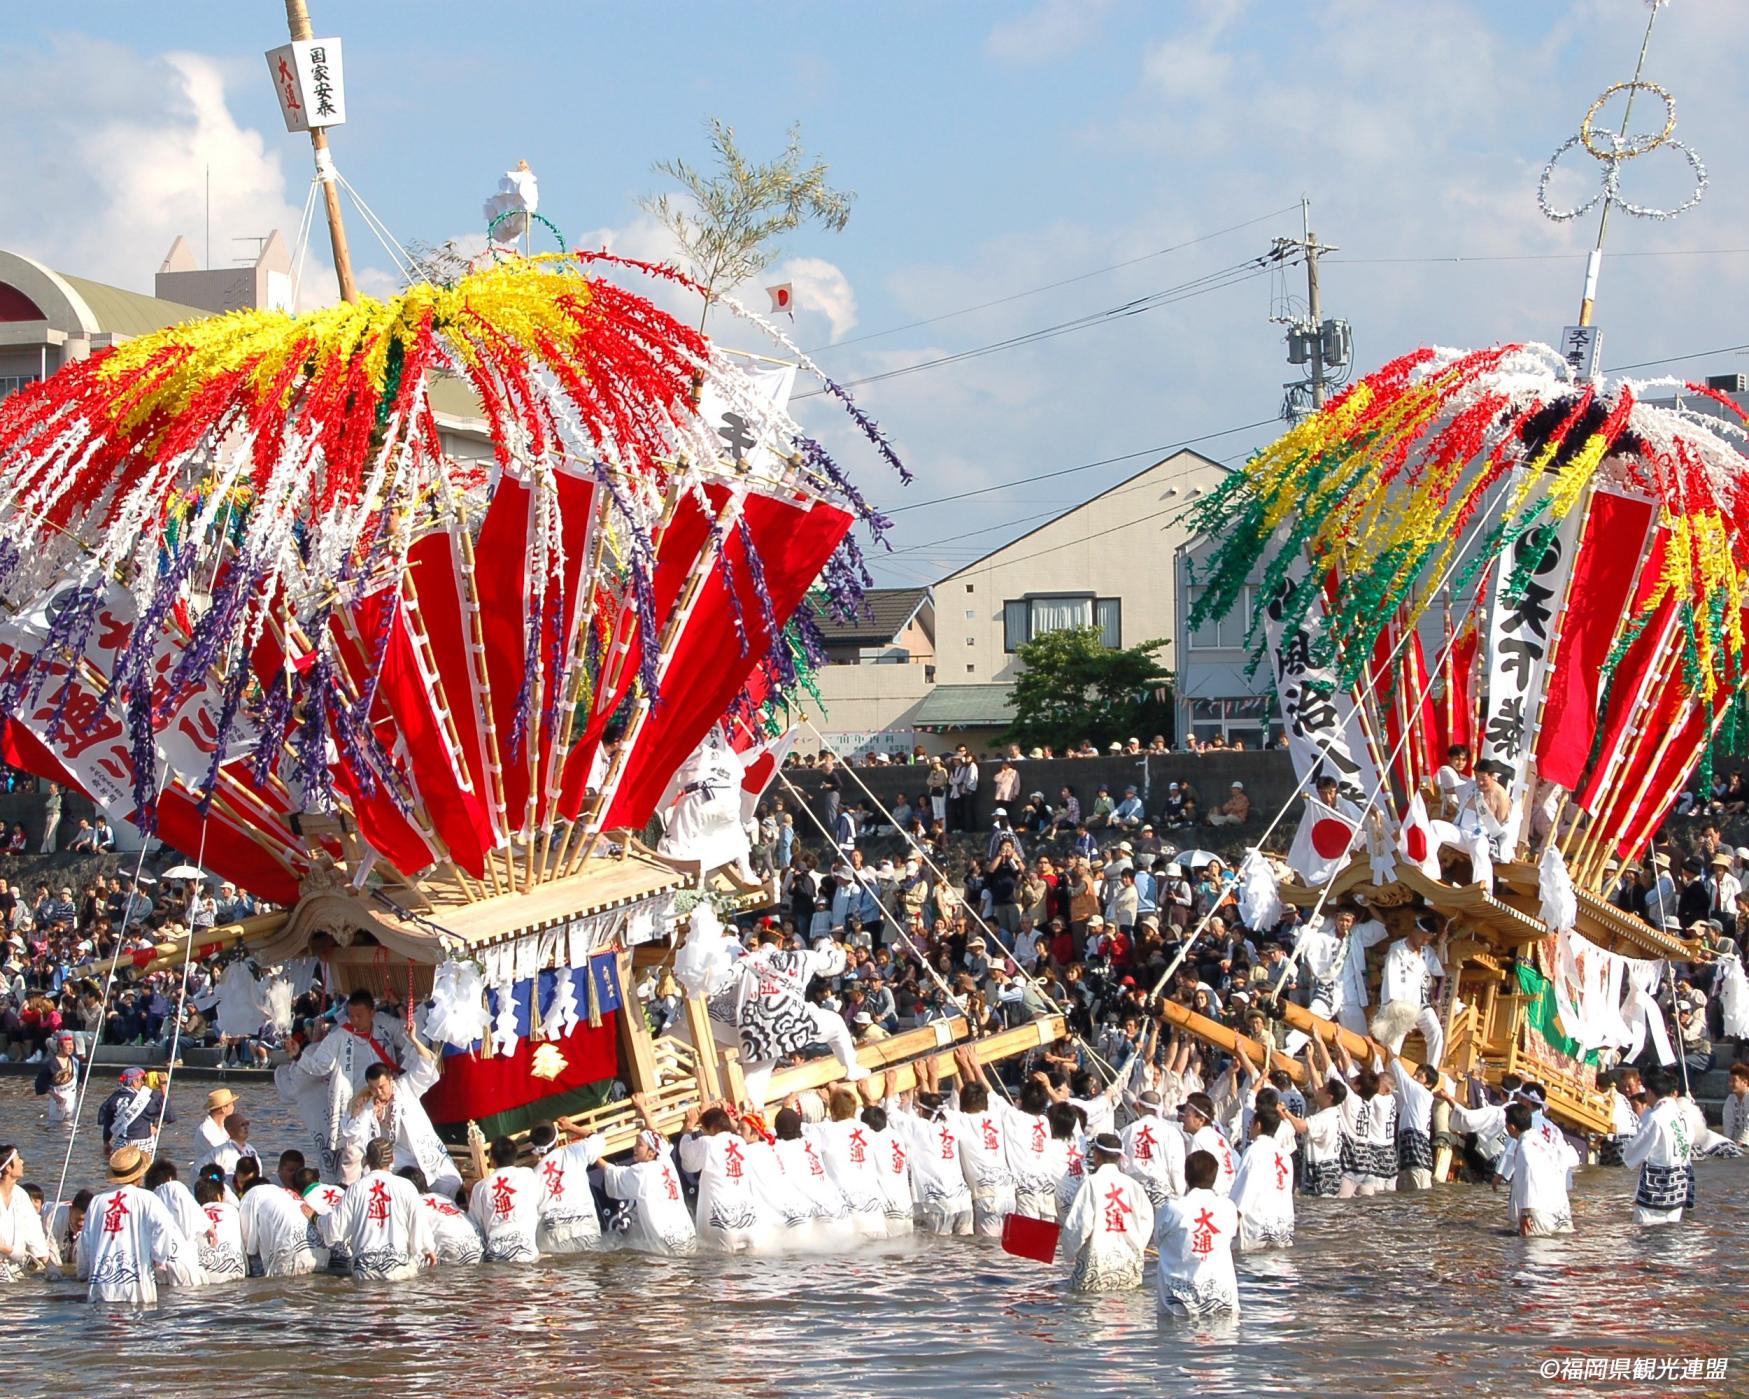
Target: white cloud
821, 289
117, 170
1050, 29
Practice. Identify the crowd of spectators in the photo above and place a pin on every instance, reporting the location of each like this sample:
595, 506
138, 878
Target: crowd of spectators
1157, 746
57, 943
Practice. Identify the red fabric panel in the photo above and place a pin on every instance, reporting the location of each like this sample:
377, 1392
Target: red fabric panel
576, 497
501, 583
381, 825
228, 851
682, 541
1626, 686
794, 538
473, 1087
408, 708
1458, 708
1653, 803
1604, 573
22, 749
435, 563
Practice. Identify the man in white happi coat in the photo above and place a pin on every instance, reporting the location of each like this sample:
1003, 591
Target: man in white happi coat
732, 1214
25, 1247
1201, 1134
775, 1018
657, 1221
220, 1249
803, 1194
983, 1146
1664, 1152
892, 1162
279, 1228
1263, 1189
383, 1221
1195, 1235
568, 1219
1411, 969
129, 1239
454, 1235
1153, 1150
1333, 952
506, 1206
162, 1181
1109, 1225
1036, 1158
938, 1180
327, 1077
1542, 1161
701, 811
847, 1147
390, 1108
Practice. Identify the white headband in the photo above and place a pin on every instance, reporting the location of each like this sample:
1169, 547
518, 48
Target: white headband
11, 1156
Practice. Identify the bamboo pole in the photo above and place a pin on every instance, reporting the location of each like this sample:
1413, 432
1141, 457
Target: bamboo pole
1655, 675
483, 673
297, 19
1219, 1035
433, 679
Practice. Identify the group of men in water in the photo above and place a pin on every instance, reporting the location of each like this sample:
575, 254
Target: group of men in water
1197, 1171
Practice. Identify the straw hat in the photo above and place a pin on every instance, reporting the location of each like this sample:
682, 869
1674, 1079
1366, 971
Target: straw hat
220, 1098
128, 1165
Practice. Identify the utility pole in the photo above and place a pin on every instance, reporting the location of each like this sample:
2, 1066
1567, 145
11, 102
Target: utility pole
1314, 303
297, 19
1322, 345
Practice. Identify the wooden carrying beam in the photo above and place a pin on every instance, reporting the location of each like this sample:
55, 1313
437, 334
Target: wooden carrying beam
1222, 1037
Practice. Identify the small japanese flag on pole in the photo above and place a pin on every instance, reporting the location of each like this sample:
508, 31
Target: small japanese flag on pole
1321, 844
783, 298
1416, 841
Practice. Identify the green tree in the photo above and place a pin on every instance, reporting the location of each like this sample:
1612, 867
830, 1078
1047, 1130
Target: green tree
730, 221
1073, 688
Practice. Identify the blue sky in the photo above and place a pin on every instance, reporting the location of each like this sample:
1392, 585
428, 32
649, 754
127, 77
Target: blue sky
993, 149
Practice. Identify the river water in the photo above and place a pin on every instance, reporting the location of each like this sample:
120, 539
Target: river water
1399, 1294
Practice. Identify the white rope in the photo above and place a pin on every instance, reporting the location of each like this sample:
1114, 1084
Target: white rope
886, 914
103, 1009
301, 245
199, 863
972, 913
391, 245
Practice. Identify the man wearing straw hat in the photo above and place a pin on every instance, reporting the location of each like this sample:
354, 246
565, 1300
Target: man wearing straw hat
211, 1136
129, 1238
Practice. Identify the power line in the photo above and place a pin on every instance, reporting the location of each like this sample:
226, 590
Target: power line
1213, 281
1084, 466
1544, 257
1674, 359
1052, 286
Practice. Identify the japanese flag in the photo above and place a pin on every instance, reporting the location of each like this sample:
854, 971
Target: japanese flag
783, 298
1416, 842
762, 762
1321, 844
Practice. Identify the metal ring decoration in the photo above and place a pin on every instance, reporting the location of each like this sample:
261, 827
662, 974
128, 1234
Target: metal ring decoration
1627, 147
1619, 149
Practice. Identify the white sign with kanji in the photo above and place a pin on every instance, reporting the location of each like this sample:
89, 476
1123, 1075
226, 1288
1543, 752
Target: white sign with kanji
308, 78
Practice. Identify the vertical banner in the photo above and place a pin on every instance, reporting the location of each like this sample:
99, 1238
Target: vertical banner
1520, 635
1323, 728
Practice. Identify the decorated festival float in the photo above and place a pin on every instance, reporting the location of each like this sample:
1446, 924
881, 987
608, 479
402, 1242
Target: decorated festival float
429, 706
1506, 550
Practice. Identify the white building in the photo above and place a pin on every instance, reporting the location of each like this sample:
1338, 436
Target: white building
1115, 562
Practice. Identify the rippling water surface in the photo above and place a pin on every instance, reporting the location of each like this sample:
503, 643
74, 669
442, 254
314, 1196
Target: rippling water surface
1401, 1295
